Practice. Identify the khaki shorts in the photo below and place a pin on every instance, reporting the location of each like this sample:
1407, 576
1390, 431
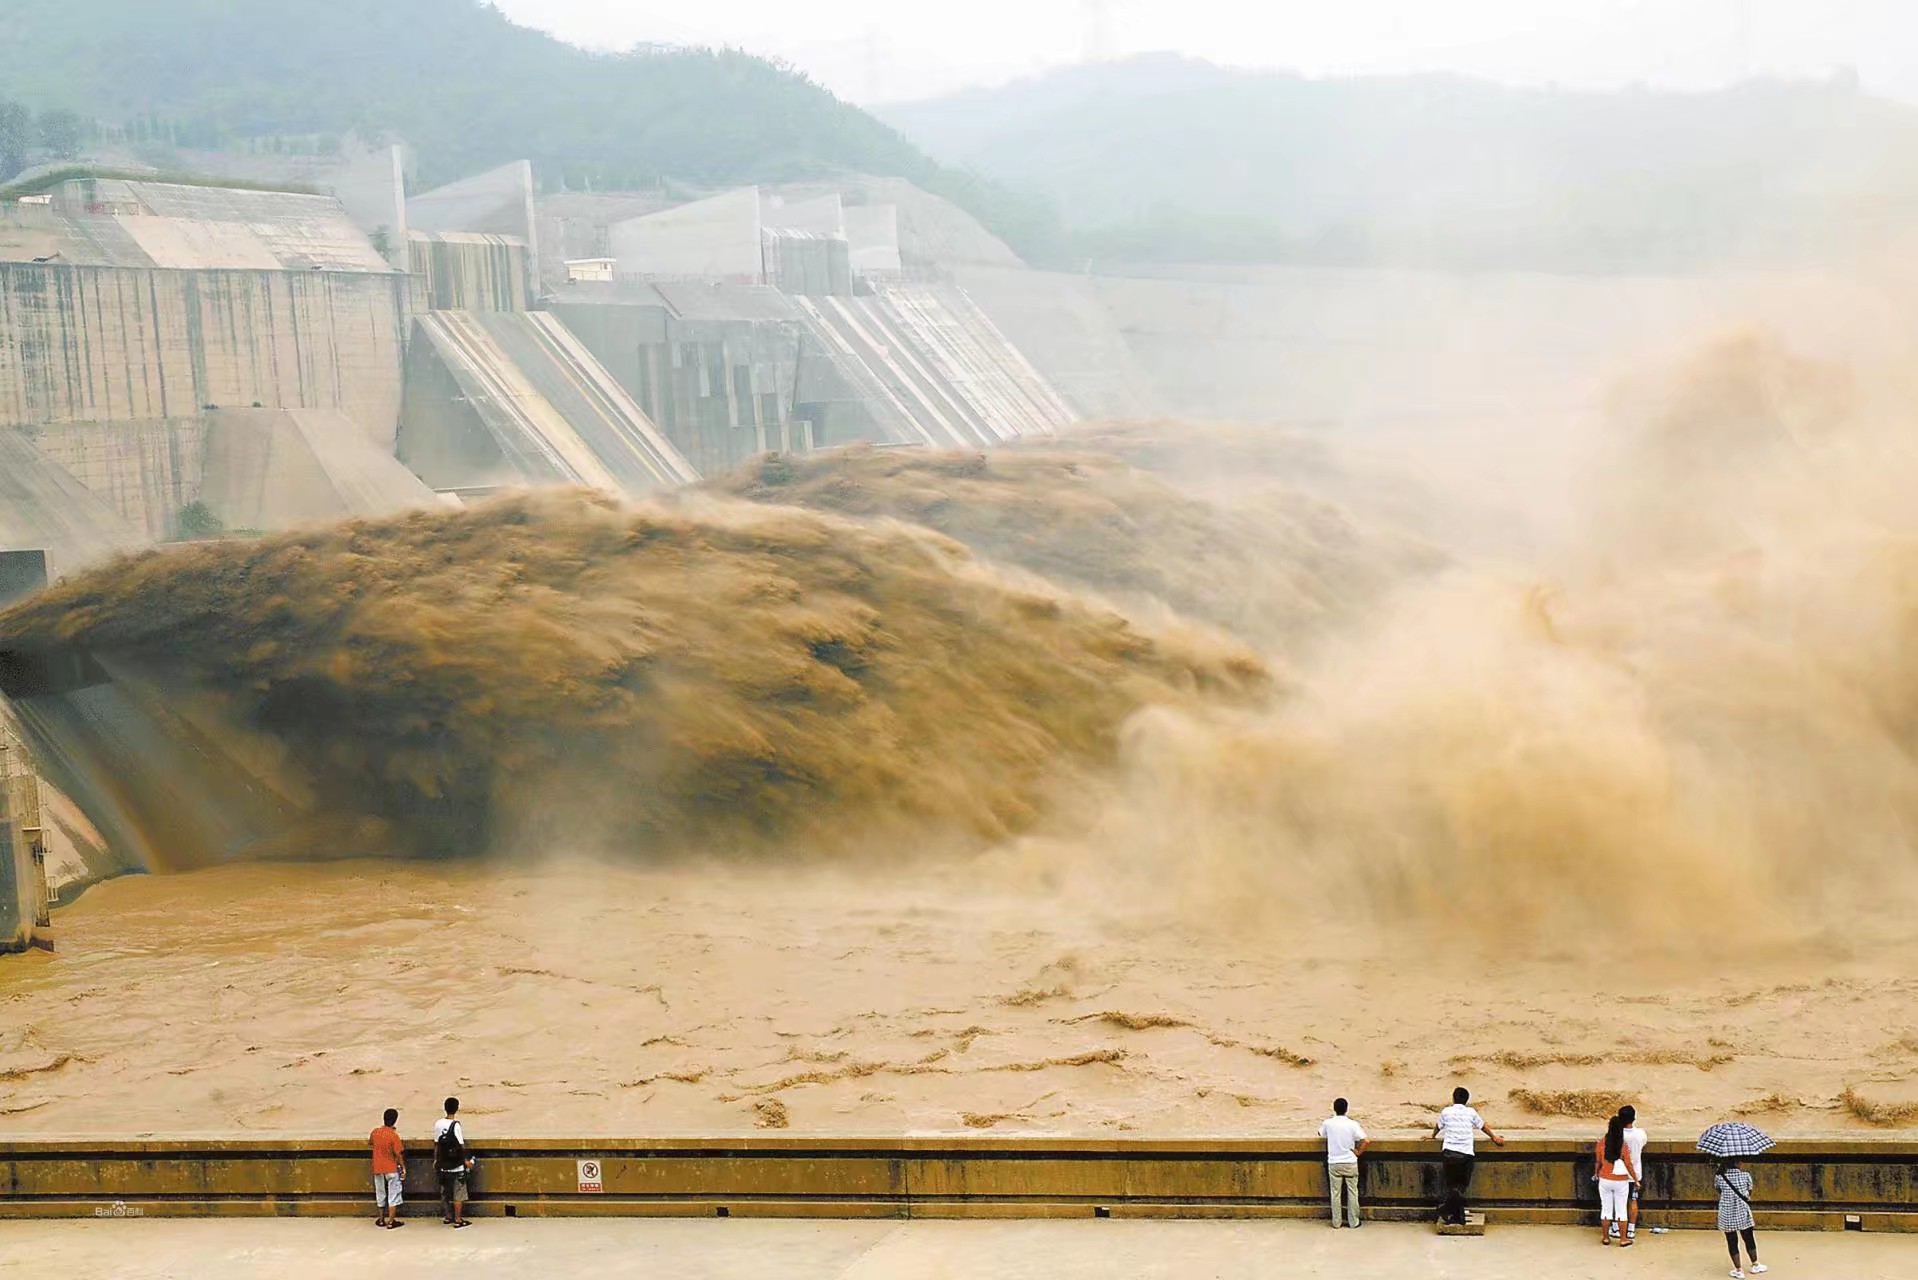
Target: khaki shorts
453, 1187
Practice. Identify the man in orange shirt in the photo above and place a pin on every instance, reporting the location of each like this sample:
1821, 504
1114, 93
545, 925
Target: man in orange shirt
389, 1164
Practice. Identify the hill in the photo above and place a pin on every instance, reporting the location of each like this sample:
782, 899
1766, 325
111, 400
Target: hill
973, 122
1161, 159
465, 86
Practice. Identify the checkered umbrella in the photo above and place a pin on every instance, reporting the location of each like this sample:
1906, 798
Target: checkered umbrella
1734, 1139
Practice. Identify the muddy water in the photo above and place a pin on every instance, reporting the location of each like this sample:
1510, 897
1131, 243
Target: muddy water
1632, 821
613, 999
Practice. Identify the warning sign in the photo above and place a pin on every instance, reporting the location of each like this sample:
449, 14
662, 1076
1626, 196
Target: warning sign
589, 1176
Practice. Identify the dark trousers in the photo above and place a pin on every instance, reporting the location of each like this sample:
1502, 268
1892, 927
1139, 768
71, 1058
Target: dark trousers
1751, 1244
1456, 1171
452, 1187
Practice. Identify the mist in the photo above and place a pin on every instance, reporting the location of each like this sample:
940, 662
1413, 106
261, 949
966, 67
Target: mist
1121, 589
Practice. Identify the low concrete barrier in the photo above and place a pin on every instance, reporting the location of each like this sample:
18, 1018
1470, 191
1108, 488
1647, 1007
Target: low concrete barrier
1806, 1184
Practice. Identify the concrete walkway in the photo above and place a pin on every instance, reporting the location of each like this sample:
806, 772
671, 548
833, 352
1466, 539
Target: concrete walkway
241, 1249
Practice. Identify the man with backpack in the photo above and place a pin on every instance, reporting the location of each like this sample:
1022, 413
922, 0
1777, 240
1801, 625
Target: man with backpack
453, 1163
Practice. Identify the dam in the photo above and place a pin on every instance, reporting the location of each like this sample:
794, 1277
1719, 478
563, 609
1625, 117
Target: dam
183, 360
883, 834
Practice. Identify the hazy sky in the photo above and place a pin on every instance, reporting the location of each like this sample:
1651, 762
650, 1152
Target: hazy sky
881, 50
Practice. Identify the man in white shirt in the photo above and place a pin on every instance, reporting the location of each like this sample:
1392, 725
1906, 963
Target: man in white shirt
1345, 1142
453, 1164
1457, 1128
1635, 1139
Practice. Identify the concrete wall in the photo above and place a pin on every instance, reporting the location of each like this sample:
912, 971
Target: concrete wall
721, 389
817, 215
107, 344
578, 224
718, 238
368, 179
807, 265
470, 271
1809, 1184
275, 468
498, 202
23, 882
495, 395
940, 364
107, 222
106, 486
146, 471
934, 234
44, 508
872, 232
1061, 323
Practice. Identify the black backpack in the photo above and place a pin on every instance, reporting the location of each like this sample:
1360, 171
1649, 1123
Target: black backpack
448, 1151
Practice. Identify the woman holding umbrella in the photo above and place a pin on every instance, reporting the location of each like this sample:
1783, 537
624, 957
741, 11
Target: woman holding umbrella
1728, 1142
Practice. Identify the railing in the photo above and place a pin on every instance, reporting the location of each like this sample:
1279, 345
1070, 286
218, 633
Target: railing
1828, 1184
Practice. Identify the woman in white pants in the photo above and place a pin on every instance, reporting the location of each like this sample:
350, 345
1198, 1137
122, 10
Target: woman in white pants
1616, 1174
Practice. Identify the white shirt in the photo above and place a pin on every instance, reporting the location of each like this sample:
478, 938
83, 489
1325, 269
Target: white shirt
1342, 1136
442, 1124
1635, 1143
1458, 1126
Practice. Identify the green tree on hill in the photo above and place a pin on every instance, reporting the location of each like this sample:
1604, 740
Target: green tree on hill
17, 134
463, 85
61, 133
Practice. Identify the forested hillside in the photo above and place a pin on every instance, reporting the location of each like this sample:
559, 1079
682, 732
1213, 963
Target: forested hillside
1155, 159
466, 87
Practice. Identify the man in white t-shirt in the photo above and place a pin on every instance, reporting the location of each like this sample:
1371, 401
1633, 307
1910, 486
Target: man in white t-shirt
453, 1163
1635, 1139
1345, 1142
1457, 1128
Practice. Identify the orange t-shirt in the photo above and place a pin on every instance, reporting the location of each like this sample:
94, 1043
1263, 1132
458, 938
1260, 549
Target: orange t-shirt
388, 1150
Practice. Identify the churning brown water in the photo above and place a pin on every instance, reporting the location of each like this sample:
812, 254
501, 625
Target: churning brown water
932, 791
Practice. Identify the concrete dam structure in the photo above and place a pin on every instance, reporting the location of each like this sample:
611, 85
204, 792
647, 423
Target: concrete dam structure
500, 397
757, 320
946, 369
135, 316
497, 394
180, 361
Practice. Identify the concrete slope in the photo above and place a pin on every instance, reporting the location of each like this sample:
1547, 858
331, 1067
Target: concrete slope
368, 479
574, 382
165, 787
555, 414
42, 507
943, 365
1061, 324
858, 368
271, 468
975, 356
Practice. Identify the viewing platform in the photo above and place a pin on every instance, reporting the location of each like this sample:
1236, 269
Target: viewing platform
1832, 1184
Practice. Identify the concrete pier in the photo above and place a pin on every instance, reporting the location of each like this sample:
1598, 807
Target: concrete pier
24, 918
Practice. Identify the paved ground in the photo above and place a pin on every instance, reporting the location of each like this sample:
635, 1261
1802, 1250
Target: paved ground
241, 1249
